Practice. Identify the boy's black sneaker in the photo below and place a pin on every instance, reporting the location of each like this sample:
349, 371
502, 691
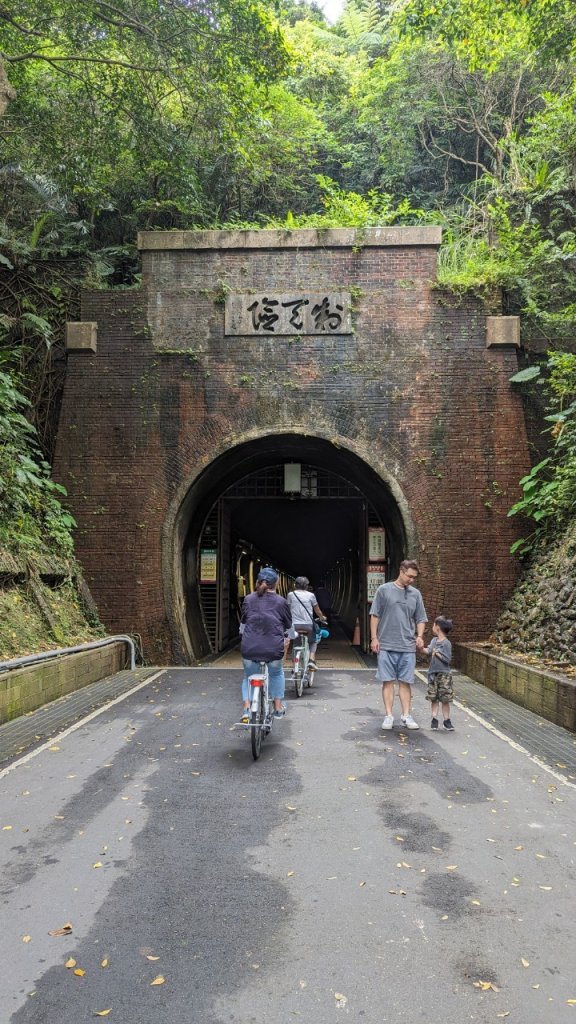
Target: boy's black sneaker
434, 723
448, 725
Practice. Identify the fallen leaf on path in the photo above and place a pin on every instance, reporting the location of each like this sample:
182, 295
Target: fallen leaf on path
26, 938
98, 864
546, 888
159, 980
289, 875
341, 999
152, 957
54, 749
505, 1014
104, 962
400, 839
79, 972
102, 1013
485, 986
518, 847
64, 930
524, 962
70, 963
289, 808
352, 778
451, 867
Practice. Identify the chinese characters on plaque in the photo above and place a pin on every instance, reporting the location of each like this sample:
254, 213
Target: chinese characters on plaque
288, 313
376, 544
208, 565
375, 576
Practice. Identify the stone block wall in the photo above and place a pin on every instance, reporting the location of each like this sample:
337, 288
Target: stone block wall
548, 694
25, 689
414, 391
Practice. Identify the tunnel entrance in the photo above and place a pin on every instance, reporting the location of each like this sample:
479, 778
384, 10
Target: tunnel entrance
301, 504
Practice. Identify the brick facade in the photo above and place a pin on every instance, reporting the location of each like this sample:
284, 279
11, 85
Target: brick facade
414, 392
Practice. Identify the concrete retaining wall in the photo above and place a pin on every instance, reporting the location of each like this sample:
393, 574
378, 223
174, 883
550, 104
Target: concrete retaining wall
547, 694
25, 689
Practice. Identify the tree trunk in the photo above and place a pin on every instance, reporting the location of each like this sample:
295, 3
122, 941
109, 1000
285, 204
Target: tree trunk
7, 92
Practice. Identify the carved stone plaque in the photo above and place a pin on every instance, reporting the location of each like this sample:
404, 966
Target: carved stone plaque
288, 313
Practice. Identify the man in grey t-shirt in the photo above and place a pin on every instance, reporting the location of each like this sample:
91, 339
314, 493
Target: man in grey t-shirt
397, 622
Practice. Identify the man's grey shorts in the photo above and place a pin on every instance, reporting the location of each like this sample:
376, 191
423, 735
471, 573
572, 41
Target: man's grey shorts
396, 666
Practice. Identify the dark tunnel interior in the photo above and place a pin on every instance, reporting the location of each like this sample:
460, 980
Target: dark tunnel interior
240, 514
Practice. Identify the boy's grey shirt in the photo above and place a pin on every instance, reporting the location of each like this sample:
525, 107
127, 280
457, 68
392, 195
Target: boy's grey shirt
399, 610
439, 664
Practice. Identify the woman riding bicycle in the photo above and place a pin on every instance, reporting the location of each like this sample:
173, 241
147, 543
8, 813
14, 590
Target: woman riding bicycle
304, 607
265, 627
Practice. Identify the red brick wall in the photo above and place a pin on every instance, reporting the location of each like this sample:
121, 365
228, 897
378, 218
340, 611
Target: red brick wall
414, 389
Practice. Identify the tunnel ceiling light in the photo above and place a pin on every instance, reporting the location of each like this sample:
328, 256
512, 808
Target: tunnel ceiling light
292, 478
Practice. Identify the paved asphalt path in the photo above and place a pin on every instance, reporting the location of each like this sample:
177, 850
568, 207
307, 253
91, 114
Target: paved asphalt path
349, 874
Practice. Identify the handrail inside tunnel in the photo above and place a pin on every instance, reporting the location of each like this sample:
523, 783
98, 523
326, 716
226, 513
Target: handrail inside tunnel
32, 659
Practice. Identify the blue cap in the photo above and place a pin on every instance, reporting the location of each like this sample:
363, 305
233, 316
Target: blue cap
268, 576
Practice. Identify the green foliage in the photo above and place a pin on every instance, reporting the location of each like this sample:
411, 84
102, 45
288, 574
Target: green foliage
349, 209
30, 507
549, 489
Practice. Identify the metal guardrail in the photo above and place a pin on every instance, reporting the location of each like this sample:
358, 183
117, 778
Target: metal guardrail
33, 659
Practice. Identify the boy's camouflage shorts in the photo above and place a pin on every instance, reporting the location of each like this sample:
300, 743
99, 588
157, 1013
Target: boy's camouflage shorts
440, 688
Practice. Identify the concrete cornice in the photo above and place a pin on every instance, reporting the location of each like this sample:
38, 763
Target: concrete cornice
283, 238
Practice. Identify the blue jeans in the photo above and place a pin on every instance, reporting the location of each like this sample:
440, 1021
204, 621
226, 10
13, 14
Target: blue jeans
275, 678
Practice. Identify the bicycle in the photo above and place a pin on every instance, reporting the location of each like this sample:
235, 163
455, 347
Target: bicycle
301, 670
261, 709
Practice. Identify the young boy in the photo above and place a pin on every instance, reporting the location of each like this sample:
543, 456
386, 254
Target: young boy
439, 676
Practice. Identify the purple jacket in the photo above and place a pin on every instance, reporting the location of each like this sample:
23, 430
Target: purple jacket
266, 618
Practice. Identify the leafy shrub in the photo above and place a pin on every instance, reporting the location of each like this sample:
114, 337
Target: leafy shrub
549, 489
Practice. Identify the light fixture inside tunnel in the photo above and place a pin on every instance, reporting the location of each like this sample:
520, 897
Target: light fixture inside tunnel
292, 478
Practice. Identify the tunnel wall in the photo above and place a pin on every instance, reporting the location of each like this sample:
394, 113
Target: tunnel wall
415, 390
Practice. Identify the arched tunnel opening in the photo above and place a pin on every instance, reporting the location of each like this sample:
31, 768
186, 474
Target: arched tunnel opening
299, 503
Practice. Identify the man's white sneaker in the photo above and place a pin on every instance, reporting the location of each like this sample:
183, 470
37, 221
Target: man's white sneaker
408, 722
388, 722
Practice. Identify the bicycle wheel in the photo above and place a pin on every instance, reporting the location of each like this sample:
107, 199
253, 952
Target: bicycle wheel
257, 725
297, 673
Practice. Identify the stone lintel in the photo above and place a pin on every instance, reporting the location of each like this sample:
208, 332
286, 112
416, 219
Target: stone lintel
284, 238
502, 330
81, 335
